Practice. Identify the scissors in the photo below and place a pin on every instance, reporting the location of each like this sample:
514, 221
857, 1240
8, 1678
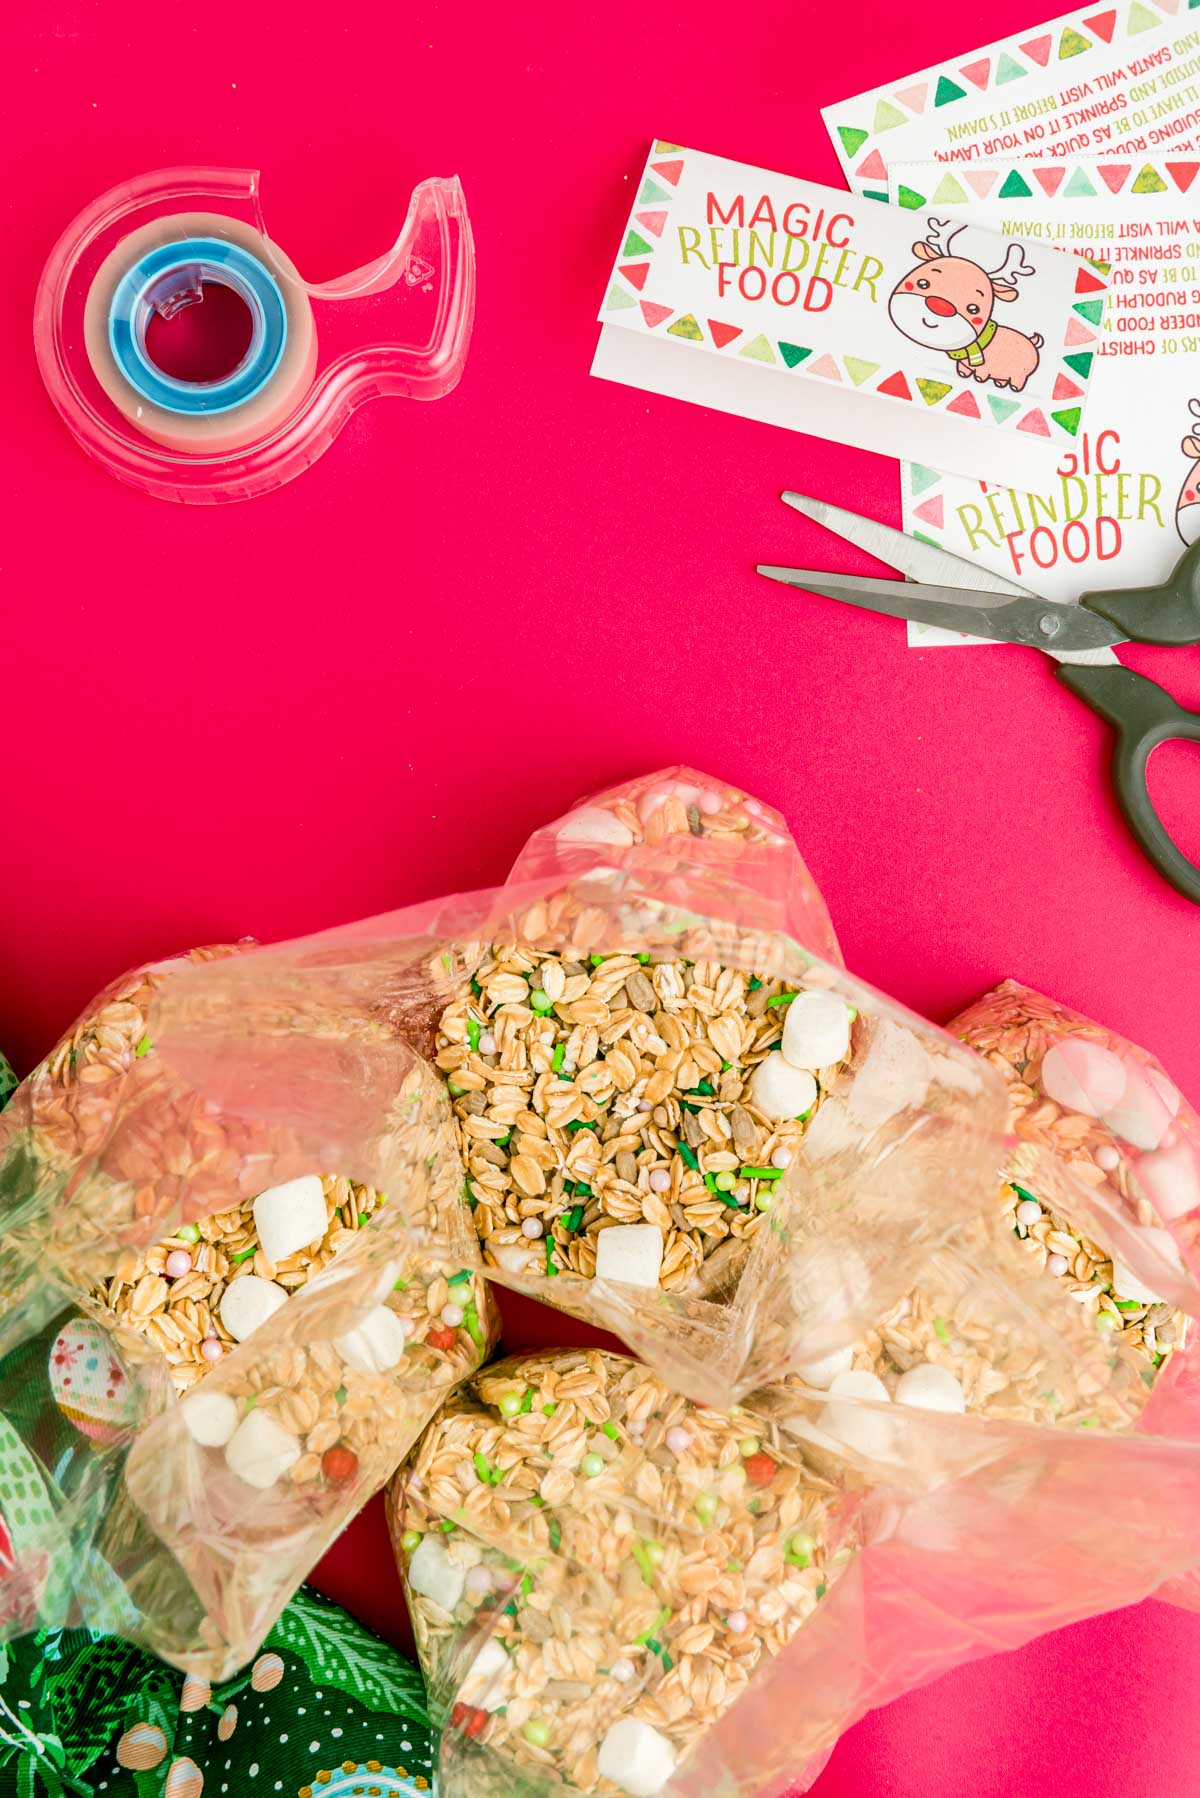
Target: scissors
960, 596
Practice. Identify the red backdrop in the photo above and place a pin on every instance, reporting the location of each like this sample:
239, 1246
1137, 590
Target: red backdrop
367, 687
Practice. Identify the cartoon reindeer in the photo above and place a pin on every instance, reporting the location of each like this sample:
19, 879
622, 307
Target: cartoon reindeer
1187, 506
946, 303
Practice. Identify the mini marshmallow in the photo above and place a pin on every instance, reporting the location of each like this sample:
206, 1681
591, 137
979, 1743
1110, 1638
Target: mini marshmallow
930, 1388
781, 1090
483, 1687
822, 1372
816, 1030
290, 1217
513, 1257
211, 1417
635, 1756
377, 1343
864, 1431
1083, 1076
261, 1451
1148, 1109
592, 824
631, 1253
1170, 1180
247, 1302
434, 1575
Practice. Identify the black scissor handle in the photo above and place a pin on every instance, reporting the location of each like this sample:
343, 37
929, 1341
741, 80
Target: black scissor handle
1143, 715
1168, 614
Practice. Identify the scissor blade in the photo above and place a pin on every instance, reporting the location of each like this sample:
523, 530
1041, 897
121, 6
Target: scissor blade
920, 561
1009, 618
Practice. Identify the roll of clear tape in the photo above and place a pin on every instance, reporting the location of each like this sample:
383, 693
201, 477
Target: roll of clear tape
165, 265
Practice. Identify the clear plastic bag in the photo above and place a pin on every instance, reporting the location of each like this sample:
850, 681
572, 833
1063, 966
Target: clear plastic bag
163, 1472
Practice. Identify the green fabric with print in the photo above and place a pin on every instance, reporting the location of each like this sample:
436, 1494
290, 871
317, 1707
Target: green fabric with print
326, 1709
8, 1080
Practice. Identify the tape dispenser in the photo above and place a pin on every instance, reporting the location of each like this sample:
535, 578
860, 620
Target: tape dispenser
155, 245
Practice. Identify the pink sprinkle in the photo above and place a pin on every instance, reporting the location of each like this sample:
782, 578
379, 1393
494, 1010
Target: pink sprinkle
179, 1262
645, 1105
679, 1440
709, 804
1107, 1158
478, 1581
660, 1180
737, 1623
211, 1349
622, 1671
452, 1316
532, 1228
1056, 1264
782, 1158
487, 1043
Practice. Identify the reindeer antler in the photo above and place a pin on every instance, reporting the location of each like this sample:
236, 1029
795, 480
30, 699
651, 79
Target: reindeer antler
1194, 408
1014, 255
934, 235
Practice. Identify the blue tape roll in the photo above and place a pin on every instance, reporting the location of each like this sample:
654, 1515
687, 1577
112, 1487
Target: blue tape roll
173, 271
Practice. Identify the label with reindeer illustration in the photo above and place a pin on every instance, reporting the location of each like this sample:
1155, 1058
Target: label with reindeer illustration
908, 332
1124, 499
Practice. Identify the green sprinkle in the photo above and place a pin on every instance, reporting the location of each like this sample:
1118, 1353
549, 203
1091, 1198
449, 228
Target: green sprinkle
592, 1466
733, 1565
526, 1405
650, 1643
754, 1507
540, 1001
802, 1117
822, 1589
482, 1465
526, 1586
647, 1637
761, 1173
188, 1232
689, 1157
667, 1662
710, 1180
245, 1254
780, 999
644, 957
1089, 1423
341, 1395
510, 1609
510, 1404
460, 1278
582, 1190
755, 983
725, 1066
942, 1328
456, 1091
1024, 1192
580, 1125
559, 1055
611, 1431
549, 1410
401, 1286
410, 1540
705, 1507
1121, 1304
551, 1269
251, 1402
572, 1219
472, 1034
597, 961
446, 1526
555, 1534
143, 1048
536, 1732
1106, 1320
503, 1141
726, 1182
475, 987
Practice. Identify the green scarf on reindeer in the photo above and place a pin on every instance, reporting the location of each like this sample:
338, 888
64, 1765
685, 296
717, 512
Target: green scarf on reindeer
973, 354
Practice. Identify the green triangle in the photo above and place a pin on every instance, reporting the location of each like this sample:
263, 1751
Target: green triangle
1081, 363
858, 370
852, 138
1079, 187
950, 189
1072, 43
1141, 19
887, 117
1002, 409
650, 190
792, 353
1092, 310
618, 298
1008, 70
873, 194
907, 196
660, 147
637, 246
920, 478
1149, 182
946, 91
932, 391
759, 349
1015, 187
1069, 420
686, 327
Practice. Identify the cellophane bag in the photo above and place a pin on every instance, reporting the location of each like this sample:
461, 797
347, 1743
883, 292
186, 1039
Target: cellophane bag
172, 1464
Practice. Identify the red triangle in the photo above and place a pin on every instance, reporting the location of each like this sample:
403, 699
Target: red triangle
670, 171
1038, 50
635, 273
872, 168
966, 407
653, 221
723, 334
1114, 175
1066, 390
1051, 179
1183, 174
896, 385
1102, 25
1086, 282
653, 313
978, 72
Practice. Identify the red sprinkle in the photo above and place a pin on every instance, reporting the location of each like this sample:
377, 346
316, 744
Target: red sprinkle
760, 1469
339, 1465
441, 1339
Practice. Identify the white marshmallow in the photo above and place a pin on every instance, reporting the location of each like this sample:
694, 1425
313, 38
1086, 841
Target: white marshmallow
592, 824
211, 1417
434, 1575
1170, 1180
781, 1090
635, 1757
247, 1302
631, 1253
816, 1030
514, 1257
377, 1344
865, 1431
483, 1687
261, 1451
1083, 1076
1147, 1111
930, 1388
822, 1372
290, 1217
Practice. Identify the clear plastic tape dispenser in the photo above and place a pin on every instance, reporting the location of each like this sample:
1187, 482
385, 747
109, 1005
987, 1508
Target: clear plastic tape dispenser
399, 325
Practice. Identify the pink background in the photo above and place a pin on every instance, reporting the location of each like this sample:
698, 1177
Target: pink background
366, 689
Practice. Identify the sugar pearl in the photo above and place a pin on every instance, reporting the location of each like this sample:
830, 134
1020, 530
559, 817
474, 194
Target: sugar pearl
1028, 1212
479, 1581
621, 1670
660, 1180
487, 1043
1056, 1265
737, 1623
179, 1262
782, 1157
452, 1316
1108, 1158
211, 1348
679, 1440
532, 1227
710, 805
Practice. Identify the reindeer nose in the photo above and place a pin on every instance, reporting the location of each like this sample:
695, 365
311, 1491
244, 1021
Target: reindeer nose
936, 304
